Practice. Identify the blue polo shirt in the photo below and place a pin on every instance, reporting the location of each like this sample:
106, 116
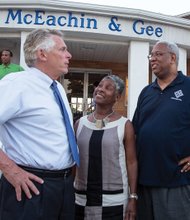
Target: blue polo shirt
162, 126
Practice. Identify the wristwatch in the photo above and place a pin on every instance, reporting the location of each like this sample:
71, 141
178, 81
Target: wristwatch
133, 196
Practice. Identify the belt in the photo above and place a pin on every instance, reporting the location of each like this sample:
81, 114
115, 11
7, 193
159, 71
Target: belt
64, 173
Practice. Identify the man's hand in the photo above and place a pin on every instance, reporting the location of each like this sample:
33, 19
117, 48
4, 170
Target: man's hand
22, 181
185, 162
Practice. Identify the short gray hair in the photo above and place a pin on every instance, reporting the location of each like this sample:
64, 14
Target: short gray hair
38, 39
119, 83
172, 48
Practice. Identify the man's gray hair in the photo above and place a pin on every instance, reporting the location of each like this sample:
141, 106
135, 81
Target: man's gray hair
172, 48
119, 83
39, 39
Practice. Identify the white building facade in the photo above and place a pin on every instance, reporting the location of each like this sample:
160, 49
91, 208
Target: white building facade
102, 40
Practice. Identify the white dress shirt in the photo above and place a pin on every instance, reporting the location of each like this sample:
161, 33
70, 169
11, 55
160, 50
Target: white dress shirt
32, 129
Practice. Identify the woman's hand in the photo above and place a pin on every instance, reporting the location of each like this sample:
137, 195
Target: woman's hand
131, 209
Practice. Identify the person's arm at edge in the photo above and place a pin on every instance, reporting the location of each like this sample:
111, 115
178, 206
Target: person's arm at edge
132, 168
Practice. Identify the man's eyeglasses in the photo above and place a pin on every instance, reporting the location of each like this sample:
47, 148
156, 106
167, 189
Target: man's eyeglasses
156, 55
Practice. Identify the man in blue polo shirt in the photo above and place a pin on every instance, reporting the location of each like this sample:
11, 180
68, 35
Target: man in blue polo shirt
7, 67
162, 127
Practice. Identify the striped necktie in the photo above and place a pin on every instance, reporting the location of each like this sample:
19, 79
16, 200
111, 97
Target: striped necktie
69, 129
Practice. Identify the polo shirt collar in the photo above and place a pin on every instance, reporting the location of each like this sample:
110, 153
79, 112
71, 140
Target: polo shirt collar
179, 79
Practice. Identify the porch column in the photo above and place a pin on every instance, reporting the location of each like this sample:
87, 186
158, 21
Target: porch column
22, 60
138, 72
182, 61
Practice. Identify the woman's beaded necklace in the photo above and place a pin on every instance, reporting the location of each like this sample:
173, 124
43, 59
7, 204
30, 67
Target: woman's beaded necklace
100, 123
